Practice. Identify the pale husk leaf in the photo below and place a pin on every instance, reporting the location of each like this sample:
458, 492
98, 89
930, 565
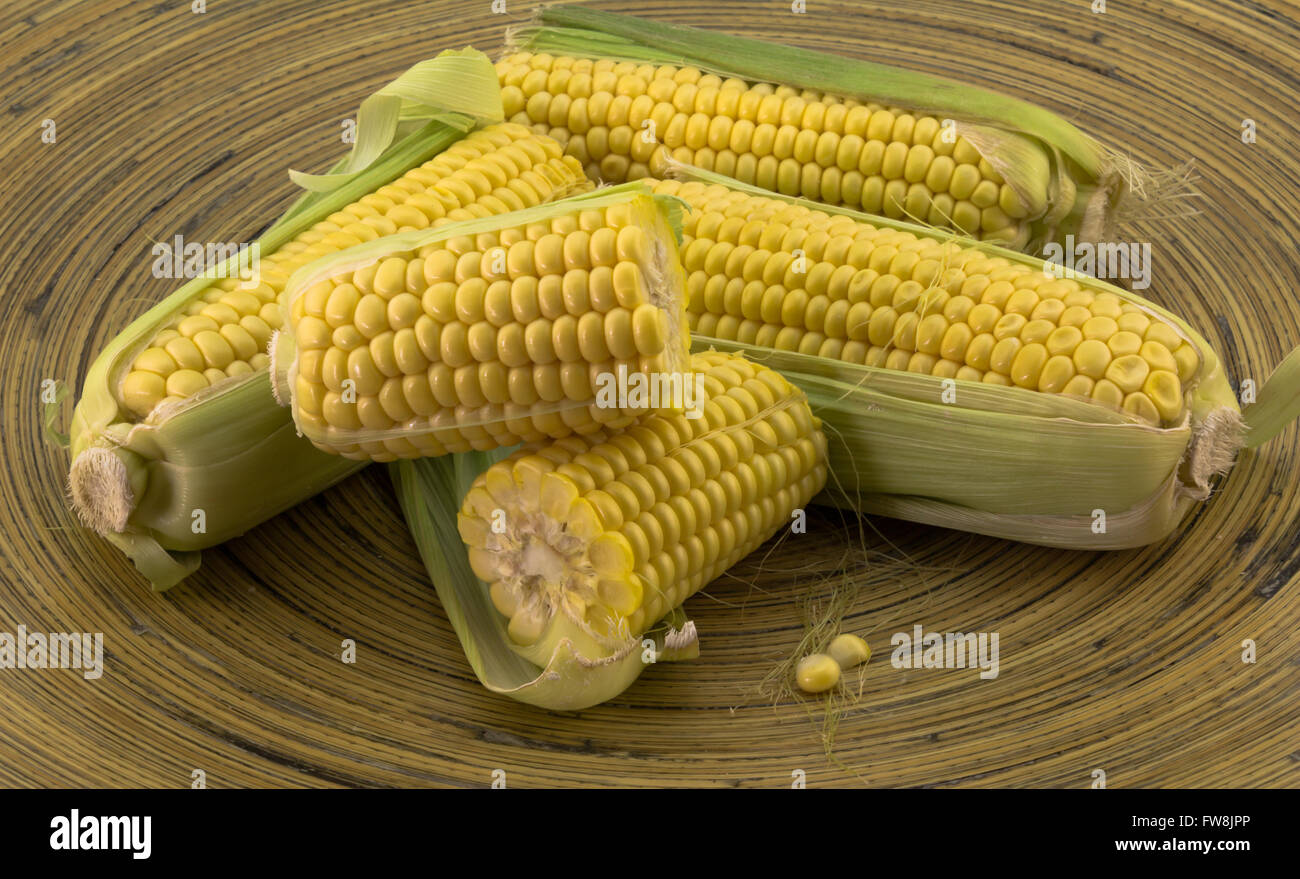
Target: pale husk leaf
456, 88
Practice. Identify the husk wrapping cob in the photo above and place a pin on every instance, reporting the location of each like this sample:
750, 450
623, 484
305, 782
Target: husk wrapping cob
176, 446
578, 546
429, 491
953, 449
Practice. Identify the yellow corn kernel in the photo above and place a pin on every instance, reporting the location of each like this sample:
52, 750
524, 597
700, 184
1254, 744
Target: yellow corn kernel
470, 346
806, 144
864, 298
817, 673
848, 651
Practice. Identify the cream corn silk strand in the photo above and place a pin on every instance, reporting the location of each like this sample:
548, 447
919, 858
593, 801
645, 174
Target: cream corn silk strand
487, 334
591, 539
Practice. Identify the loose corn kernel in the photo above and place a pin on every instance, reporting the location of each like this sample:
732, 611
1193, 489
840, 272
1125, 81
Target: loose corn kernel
849, 650
817, 673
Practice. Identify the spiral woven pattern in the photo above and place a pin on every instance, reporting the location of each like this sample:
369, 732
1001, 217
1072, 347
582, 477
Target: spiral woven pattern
175, 122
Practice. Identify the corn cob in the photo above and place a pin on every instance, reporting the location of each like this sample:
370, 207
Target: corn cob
163, 478
1092, 418
488, 333
885, 160
223, 333
604, 534
627, 95
779, 275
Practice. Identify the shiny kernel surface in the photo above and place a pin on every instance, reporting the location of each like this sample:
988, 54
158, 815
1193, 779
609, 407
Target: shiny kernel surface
996, 323
480, 362
811, 144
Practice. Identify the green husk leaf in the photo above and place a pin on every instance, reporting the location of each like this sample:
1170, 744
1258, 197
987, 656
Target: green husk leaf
429, 491
457, 88
1276, 405
897, 448
1149, 522
162, 568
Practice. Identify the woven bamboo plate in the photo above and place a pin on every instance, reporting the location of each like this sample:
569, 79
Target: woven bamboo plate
171, 121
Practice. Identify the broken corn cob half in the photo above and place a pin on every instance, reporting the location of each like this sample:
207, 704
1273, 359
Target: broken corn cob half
487, 333
592, 539
224, 330
775, 274
626, 95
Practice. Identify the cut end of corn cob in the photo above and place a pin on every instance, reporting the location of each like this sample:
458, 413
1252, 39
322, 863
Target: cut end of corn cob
223, 333
1220, 435
99, 488
592, 539
625, 121
777, 274
489, 334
